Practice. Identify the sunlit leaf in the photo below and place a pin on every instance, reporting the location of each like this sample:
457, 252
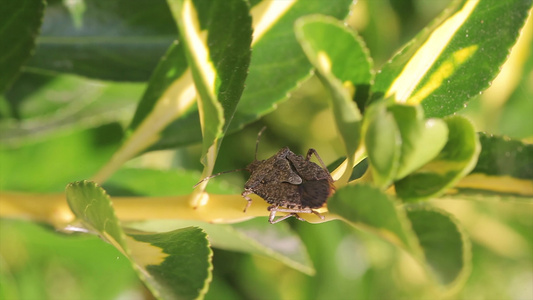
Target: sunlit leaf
399, 140
421, 139
174, 264
278, 65
169, 94
456, 160
344, 67
218, 67
218, 62
92, 206
168, 84
456, 58
178, 262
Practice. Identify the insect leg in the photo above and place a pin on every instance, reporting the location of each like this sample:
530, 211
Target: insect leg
288, 216
306, 210
294, 211
317, 214
273, 215
312, 151
245, 194
273, 209
215, 175
258, 139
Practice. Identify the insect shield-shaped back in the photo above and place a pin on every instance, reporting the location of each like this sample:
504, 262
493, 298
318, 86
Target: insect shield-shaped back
290, 182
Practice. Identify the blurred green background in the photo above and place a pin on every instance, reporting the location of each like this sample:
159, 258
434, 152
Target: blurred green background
67, 116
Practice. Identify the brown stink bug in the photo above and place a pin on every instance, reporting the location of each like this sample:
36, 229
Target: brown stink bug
290, 182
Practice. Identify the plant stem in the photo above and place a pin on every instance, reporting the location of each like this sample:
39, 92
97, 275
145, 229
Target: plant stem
54, 210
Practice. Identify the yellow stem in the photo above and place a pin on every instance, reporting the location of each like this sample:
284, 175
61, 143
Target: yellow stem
51, 208
54, 210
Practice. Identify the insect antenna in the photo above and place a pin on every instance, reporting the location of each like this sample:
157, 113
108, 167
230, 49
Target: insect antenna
257, 141
236, 170
215, 175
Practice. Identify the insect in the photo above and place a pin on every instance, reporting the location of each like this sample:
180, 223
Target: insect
289, 182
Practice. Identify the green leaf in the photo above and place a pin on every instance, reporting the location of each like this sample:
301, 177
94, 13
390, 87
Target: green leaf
272, 240
76, 103
92, 206
167, 82
398, 140
455, 58
344, 67
218, 67
168, 105
366, 207
21, 21
199, 59
441, 243
422, 139
218, 62
174, 264
383, 143
504, 171
278, 65
457, 159
444, 243
255, 236
167, 109
184, 272
113, 40
269, 81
